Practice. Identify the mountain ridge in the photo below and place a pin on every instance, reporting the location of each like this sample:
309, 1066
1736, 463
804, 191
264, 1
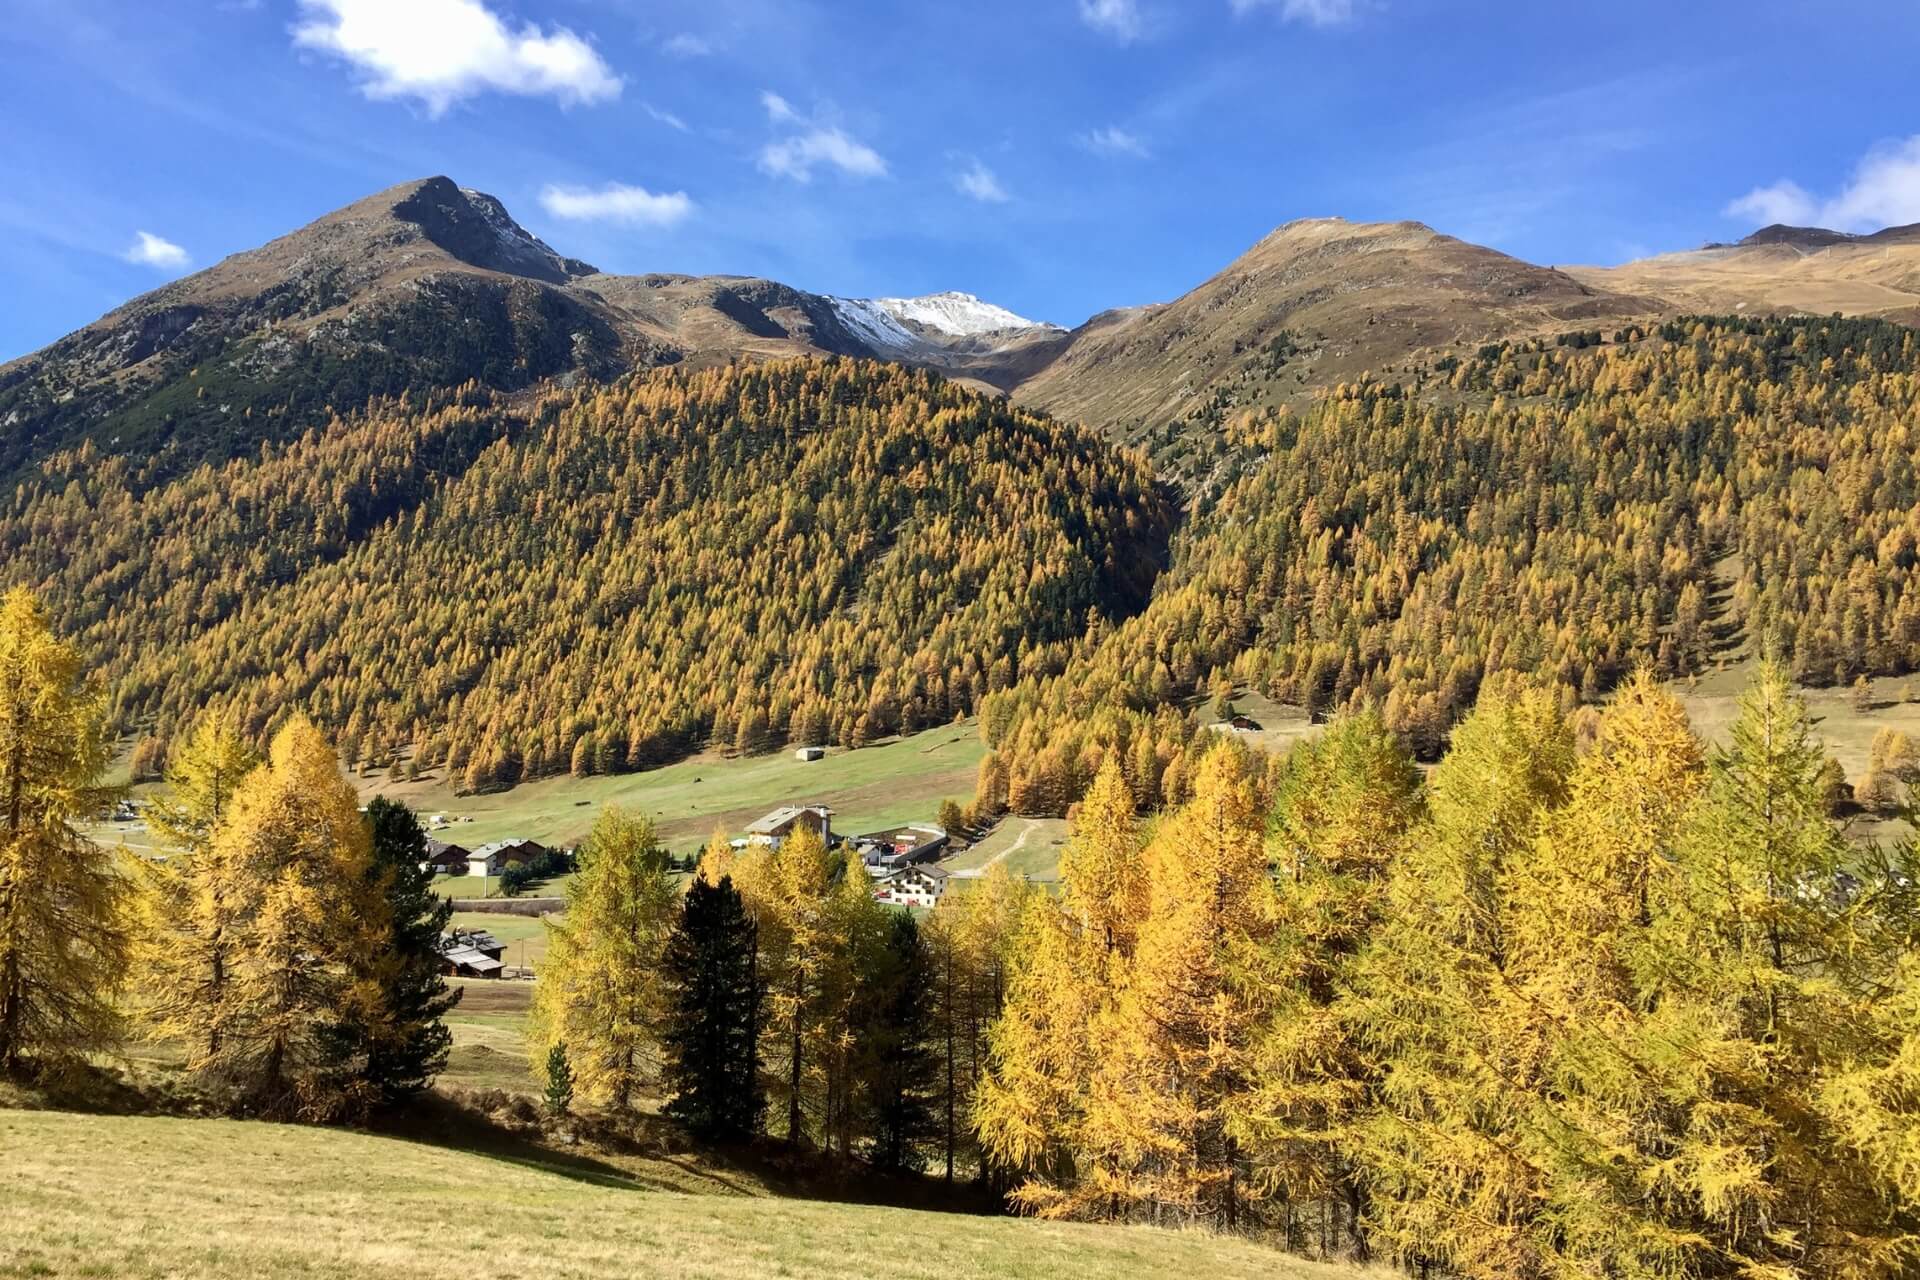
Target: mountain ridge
432, 284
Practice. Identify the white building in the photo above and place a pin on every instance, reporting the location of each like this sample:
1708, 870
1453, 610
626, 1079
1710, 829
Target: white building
913, 887
774, 829
492, 859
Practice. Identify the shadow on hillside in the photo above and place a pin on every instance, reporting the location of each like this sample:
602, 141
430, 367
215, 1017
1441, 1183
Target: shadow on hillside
437, 1120
604, 1150
633, 1153
107, 1089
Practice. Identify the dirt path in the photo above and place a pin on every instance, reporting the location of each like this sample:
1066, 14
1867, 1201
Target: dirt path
1019, 843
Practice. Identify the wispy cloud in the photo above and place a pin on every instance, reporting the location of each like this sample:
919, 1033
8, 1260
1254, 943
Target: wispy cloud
814, 145
666, 118
439, 52
980, 183
1120, 19
1113, 141
1884, 191
617, 202
1312, 13
779, 110
149, 250
686, 45
798, 156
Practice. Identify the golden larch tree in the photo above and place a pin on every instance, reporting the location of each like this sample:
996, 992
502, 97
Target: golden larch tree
601, 993
64, 936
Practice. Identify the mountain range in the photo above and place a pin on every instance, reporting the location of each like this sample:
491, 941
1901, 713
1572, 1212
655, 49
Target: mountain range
432, 284
460, 495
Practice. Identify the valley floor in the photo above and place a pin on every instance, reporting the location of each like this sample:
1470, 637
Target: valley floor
187, 1198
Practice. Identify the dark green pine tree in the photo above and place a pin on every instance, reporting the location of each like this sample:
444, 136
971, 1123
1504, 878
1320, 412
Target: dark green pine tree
899, 1069
713, 1028
414, 1051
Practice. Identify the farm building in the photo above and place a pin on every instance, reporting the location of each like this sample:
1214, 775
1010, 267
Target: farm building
492, 859
446, 859
773, 829
917, 886
884, 852
810, 753
471, 953
1237, 724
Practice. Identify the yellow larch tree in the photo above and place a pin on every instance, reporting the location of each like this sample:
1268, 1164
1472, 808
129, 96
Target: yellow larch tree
1101, 872
1175, 1040
192, 896
1444, 1178
1342, 809
1581, 905
64, 927
601, 994
309, 927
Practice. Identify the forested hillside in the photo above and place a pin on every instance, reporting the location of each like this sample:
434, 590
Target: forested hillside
795, 550
1565, 511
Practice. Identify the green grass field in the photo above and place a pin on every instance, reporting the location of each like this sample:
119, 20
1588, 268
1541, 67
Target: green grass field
1025, 846
489, 1028
870, 789
186, 1199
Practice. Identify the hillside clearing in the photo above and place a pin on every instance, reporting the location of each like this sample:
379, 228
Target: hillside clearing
215, 1198
870, 789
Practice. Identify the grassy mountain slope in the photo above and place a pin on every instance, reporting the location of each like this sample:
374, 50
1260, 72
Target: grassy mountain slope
1315, 302
184, 1199
1783, 269
421, 286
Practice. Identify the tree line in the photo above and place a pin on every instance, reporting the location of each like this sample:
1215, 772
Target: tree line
1578, 1003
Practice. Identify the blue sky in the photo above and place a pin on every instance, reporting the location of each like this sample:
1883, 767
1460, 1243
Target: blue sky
1057, 157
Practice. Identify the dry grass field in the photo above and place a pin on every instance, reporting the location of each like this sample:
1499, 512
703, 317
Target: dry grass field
180, 1199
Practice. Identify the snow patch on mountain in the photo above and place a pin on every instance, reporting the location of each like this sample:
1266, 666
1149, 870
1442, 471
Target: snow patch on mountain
960, 314
873, 324
890, 322
518, 246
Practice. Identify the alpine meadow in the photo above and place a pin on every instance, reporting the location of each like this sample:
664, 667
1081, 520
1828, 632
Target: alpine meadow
1396, 759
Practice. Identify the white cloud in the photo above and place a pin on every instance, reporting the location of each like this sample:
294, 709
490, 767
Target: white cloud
617, 202
816, 144
981, 183
1113, 141
1784, 201
687, 45
442, 51
779, 110
667, 118
1884, 191
1120, 19
796, 157
149, 250
1314, 13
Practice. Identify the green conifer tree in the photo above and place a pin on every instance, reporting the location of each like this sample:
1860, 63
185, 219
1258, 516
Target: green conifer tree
711, 1037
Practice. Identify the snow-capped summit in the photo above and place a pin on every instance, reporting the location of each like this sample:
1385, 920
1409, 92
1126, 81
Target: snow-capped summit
960, 314
903, 323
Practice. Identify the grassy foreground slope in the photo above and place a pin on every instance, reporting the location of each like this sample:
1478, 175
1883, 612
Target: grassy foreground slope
137, 1197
